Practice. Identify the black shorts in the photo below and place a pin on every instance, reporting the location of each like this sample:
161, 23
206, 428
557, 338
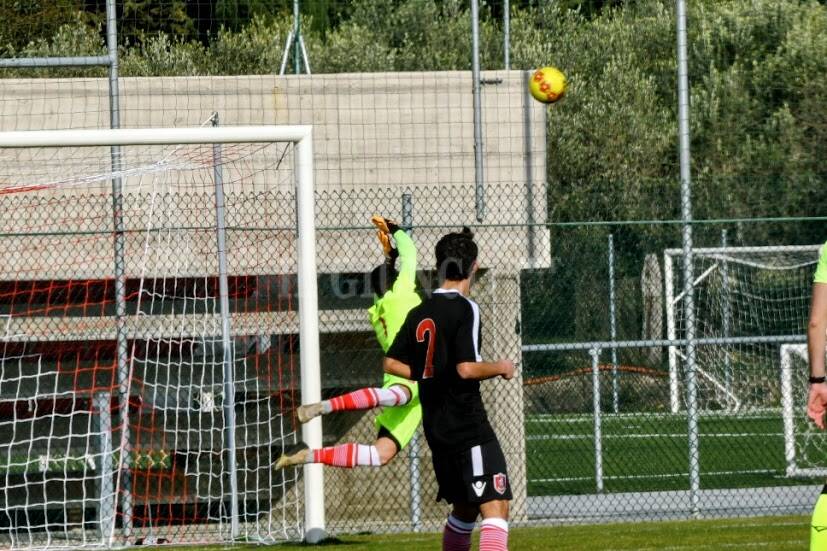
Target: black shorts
476, 475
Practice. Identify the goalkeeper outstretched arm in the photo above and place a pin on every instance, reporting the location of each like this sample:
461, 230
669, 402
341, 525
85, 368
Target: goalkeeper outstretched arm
394, 291
406, 281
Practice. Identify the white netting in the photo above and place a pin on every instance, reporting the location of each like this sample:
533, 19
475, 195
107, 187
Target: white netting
742, 292
72, 475
805, 445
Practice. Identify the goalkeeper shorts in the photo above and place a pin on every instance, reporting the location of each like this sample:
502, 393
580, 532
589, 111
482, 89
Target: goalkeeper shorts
401, 421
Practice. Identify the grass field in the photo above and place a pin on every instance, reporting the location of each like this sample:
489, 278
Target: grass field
649, 452
767, 533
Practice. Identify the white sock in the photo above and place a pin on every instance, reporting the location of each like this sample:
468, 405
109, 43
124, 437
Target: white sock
367, 398
393, 396
346, 455
494, 534
367, 456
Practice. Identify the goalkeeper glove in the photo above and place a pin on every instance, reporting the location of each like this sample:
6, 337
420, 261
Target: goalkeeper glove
385, 225
387, 246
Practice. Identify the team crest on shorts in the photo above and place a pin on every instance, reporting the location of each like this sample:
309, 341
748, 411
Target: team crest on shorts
500, 483
479, 487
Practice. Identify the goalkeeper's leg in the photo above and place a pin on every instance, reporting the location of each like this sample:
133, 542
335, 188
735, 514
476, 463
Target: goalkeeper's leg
396, 425
348, 455
364, 398
818, 525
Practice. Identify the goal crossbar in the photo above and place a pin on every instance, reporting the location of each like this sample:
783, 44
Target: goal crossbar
157, 136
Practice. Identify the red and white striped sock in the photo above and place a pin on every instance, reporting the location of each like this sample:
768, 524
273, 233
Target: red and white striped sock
347, 455
366, 398
494, 534
456, 536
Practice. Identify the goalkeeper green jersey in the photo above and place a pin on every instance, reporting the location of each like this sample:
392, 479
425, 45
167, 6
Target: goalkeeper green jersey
389, 312
821, 270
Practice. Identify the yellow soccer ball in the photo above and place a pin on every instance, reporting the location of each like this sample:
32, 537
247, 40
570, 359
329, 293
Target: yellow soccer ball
547, 84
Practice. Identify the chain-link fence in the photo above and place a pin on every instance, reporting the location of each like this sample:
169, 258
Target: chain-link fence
606, 376
593, 428
621, 410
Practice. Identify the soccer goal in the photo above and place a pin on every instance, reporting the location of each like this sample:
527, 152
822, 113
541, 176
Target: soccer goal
805, 446
154, 287
748, 302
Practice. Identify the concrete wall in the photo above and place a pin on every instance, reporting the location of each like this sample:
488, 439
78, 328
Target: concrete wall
374, 135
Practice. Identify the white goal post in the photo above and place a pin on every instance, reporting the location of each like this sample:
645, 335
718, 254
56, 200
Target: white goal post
310, 387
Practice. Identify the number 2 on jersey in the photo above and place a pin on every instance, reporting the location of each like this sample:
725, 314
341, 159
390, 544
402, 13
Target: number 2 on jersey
427, 326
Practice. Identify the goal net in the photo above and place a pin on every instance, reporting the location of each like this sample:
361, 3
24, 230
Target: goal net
149, 321
748, 302
805, 446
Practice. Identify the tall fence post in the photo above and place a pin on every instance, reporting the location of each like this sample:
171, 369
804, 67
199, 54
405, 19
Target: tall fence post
226, 341
479, 178
507, 35
686, 239
530, 220
726, 315
598, 425
613, 326
119, 238
414, 448
297, 33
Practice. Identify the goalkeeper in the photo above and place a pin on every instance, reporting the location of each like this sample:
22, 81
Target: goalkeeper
818, 388
394, 296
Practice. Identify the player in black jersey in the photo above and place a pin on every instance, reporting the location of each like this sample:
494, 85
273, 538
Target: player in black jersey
438, 346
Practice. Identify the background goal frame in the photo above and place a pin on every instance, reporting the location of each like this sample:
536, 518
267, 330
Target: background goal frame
789, 404
725, 260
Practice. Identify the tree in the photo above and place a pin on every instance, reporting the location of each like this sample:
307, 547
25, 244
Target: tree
27, 21
142, 18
